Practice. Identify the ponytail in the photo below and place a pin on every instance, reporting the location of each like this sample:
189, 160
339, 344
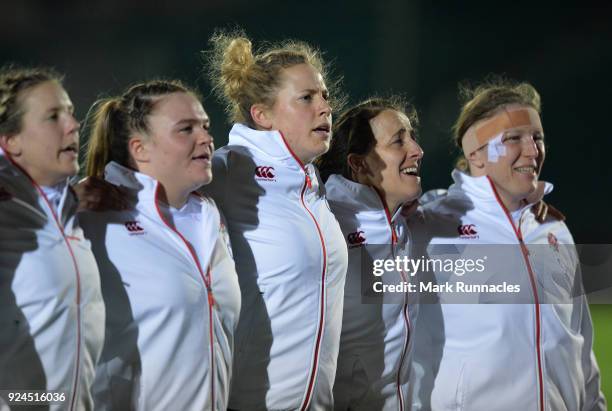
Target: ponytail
104, 145
114, 120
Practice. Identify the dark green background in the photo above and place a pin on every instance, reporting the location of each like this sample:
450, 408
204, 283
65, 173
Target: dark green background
421, 49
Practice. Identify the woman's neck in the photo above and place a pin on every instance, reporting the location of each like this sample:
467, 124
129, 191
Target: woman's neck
173, 198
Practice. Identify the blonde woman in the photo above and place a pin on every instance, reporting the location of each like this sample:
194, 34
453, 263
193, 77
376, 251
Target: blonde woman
290, 254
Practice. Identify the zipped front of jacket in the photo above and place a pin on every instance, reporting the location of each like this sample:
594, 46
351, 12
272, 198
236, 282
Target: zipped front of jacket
406, 318
77, 366
319, 336
207, 280
525, 253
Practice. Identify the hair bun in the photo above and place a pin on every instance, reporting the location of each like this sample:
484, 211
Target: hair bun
237, 61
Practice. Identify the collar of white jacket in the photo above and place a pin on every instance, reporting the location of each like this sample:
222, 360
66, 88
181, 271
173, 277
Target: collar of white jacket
119, 175
270, 143
24, 185
361, 197
122, 176
56, 194
145, 186
481, 189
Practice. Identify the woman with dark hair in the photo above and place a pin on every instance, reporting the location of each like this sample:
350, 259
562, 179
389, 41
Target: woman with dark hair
530, 346
168, 278
51, 308
372, 172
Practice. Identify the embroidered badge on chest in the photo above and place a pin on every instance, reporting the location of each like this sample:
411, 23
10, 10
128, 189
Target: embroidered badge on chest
356, 239
467, 231
134, 227
265, 173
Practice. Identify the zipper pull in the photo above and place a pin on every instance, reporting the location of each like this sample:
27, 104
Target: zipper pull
211, 297
393, 235
308, 181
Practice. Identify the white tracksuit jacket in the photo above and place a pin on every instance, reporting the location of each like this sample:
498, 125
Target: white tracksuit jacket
291, 261
171, 308
51, 308
512, 356
373, 363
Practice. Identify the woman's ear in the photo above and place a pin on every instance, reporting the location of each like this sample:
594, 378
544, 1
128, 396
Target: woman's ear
357, 164
11, 144
477, 161
261, 116
139, 148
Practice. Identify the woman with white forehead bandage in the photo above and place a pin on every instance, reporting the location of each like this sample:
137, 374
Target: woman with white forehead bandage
530, 346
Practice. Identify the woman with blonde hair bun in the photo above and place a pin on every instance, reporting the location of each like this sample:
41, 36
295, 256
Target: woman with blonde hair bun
289, 250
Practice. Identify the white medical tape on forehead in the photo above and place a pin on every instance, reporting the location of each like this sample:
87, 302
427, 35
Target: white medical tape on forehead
496, 148
482, 132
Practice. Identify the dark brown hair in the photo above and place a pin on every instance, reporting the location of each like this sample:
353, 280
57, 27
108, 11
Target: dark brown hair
352, 133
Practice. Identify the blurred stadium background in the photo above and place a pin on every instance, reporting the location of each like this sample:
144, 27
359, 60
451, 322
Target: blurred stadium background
421, 49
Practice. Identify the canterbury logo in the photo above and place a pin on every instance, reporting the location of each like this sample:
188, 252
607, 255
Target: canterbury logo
356, 238
467, 230
265, 172
134, 227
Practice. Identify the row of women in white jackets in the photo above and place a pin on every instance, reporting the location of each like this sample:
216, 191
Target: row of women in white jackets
167, 320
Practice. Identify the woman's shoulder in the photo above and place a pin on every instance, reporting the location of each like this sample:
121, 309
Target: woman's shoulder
231, 159
436, 204
232, 153
92, 218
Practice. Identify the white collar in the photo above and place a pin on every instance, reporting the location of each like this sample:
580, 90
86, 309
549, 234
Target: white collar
25, 187
361, 197
145, 188
119, 175
55, 194
480, 189
270, 143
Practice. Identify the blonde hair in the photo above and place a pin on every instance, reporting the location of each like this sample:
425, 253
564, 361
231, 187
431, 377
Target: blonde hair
485, 99
242, 78
113, 120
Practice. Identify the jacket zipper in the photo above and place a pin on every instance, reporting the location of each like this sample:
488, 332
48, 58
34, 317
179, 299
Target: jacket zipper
78, 299
315, 366
78, 279
405, 315
525, 253
207, 279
